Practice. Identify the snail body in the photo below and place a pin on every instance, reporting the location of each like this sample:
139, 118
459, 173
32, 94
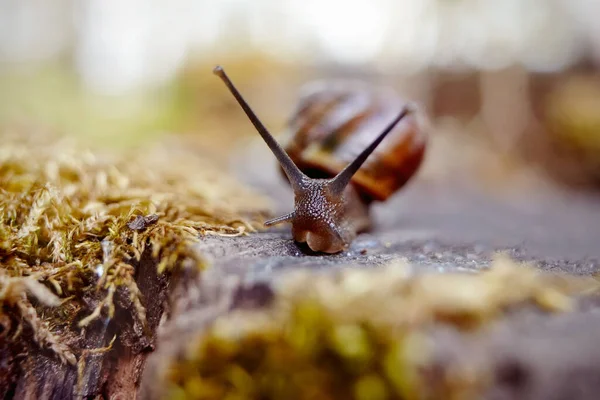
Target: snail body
334, 121
326, 157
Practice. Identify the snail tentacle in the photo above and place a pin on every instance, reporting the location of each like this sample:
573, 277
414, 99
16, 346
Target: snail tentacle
295, 176
278, 220
340, 181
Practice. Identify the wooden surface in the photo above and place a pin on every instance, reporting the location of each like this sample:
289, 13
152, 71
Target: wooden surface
438, 228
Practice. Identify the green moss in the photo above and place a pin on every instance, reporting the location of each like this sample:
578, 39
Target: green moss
371, 387
73, 221
360, 335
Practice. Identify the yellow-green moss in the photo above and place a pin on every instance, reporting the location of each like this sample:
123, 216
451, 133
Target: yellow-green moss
74, 220
360, 334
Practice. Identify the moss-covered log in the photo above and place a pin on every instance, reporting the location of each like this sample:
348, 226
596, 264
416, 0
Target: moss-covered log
89, 242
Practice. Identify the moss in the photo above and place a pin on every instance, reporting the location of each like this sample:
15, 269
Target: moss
360, 334
75, 222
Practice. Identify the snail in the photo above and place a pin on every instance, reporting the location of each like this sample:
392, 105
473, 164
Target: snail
333, 190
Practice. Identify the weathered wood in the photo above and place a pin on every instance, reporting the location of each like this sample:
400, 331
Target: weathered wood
528, 354
38, 374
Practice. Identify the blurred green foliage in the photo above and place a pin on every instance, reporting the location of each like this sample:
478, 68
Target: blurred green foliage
54, 98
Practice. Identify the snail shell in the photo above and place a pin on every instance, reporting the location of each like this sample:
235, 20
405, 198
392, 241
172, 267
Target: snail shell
334, 121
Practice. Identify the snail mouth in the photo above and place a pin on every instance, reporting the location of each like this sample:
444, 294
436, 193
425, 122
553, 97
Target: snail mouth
325, 244
320, 242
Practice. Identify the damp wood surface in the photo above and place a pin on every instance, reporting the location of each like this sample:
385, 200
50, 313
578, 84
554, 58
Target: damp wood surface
433, 227
524, 347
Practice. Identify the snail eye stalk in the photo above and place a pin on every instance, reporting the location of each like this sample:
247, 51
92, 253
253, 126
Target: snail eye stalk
341, 180
284, 218
295, 176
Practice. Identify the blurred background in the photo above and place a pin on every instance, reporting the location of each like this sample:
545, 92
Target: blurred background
511, 87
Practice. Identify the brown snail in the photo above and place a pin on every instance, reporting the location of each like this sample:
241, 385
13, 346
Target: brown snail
332, 133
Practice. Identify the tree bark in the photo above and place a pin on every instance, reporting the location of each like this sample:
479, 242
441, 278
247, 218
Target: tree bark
28, 372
